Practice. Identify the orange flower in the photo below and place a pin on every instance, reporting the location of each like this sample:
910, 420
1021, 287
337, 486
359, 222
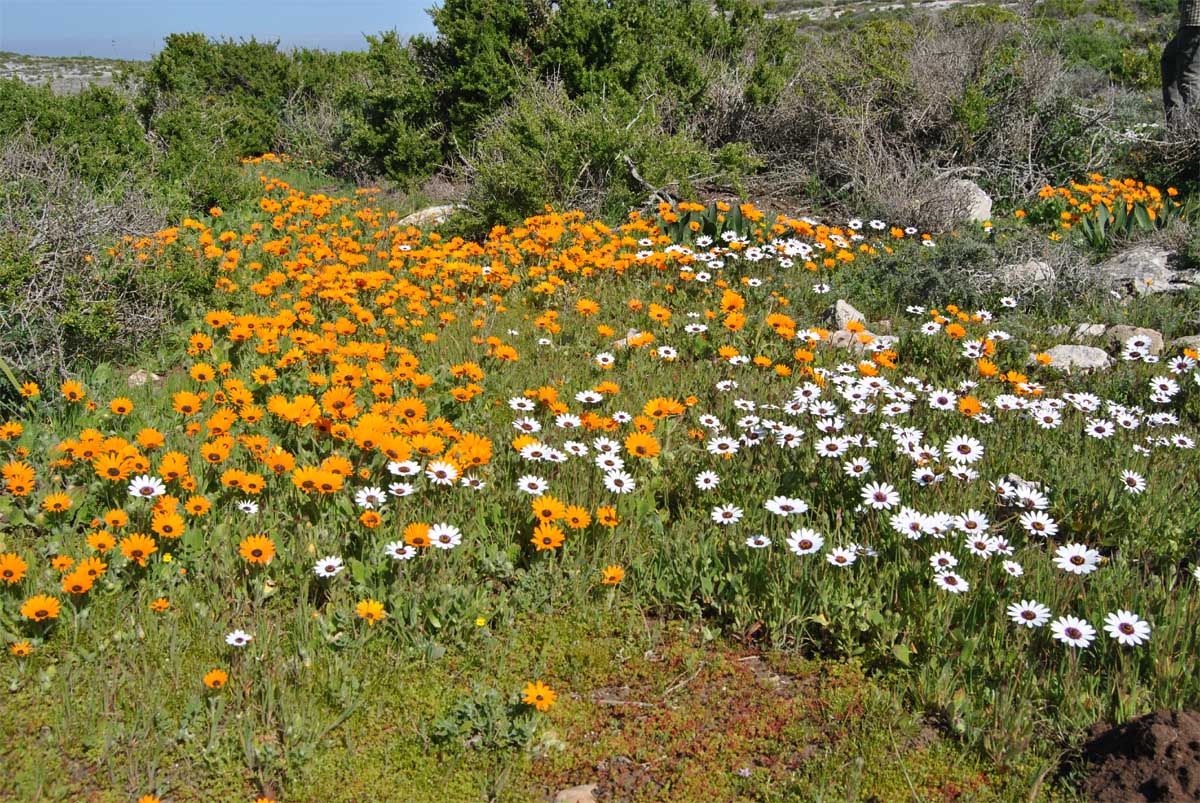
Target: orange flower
215, 678
72, 391
56, 503
642, 445
137, 547
607, 516
417, 535
371, 610
547, 537
546, 508
257, 549
612, 575
41, 607
539, 695
12, 567
969, 406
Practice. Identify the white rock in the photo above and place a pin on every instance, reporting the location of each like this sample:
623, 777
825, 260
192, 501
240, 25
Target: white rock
1084, 330
1145, 270
140, 377
1026, 275
430, 216
958, 199
584, 793
1119, 334
1084, 358
1189, 342
842, 313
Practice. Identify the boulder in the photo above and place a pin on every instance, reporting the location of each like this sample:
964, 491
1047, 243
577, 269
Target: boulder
1189, 342
1119, 334
842, 339
1145, 270
842, 313
430, 216
1086, 330
945, 202
1026, 276
1084, 358
623, 343
140, 377
584, 793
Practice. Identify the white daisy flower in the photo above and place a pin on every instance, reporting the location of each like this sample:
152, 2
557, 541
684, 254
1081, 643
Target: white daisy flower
398, 550
1029, 613
1073, 632
328, 566
144, 486
1129, 629
441, 472
1076, 558
444, 536
369, 498
619, 482
949, 581
238, 638
805, 541
841, 556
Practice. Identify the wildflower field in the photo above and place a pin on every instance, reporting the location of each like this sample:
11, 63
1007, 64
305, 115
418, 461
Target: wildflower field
411, 518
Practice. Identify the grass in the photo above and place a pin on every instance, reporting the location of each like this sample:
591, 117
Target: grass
718, 668
654, 711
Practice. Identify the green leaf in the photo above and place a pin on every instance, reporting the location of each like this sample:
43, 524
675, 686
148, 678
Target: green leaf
902, 653
1143, 218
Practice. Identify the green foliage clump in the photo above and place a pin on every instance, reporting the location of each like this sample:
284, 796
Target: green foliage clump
103, 154
601, 156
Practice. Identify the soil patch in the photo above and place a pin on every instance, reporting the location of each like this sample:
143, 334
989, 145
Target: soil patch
1152, 758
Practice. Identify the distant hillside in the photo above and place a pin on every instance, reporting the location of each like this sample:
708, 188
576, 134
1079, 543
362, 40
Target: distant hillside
64, 74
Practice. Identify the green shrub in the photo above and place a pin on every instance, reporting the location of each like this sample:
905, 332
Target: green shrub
103, 154
389, 127
547, 149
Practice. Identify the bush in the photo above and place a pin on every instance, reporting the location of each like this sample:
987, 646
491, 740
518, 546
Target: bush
63, 304
599, 156
102, 154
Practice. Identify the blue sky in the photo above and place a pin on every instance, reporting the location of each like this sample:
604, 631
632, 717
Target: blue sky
134, 29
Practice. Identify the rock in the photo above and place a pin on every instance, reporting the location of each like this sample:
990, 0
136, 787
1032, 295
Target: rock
584, 793
624, 342
431, 216
1119, 334
883, 327
1085, 358
1026, 275
1059, 330
140, 377
842, 313
950, 201
842, 339
1089, 330
1189, 342
1144, 270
